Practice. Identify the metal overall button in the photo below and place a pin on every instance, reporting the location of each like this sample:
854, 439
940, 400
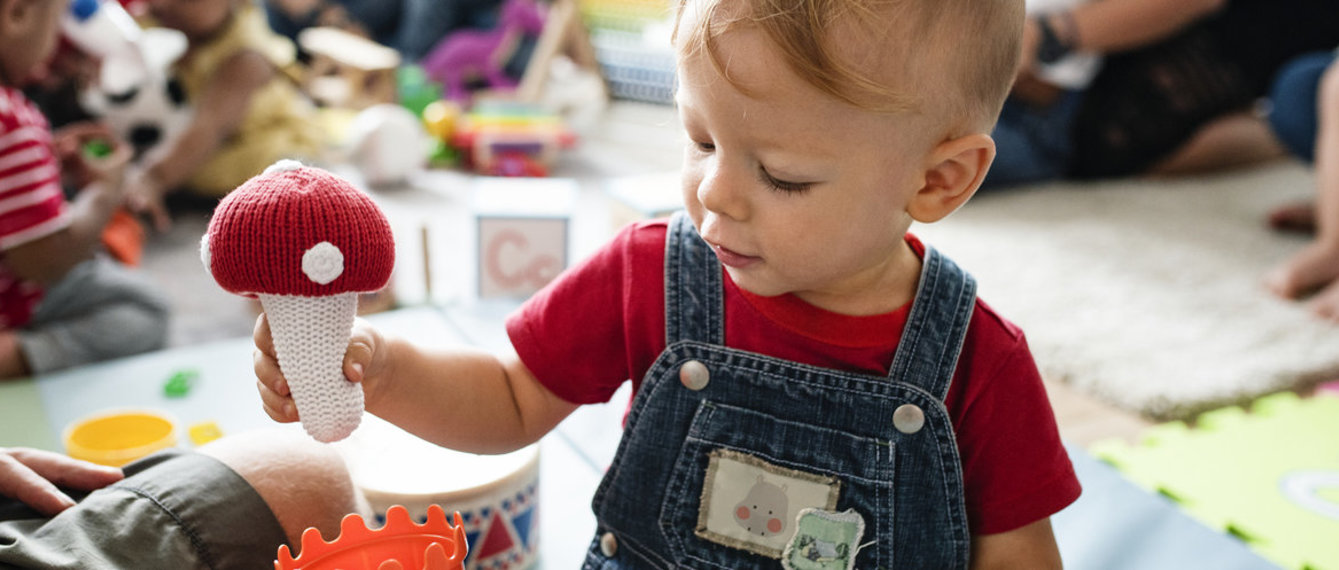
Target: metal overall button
908, 418
608, 545
694, 375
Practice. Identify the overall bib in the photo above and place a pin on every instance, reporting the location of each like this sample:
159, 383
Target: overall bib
733, 460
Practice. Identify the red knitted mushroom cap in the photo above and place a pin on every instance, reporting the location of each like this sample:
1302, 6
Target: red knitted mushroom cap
298, 230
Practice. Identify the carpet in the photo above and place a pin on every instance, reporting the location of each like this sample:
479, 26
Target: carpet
1147, 293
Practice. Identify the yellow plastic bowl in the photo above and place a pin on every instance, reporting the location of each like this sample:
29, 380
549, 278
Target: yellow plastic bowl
117, 438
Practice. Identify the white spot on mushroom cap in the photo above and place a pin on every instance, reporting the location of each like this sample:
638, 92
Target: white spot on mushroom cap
284, 165
204, 252
323, 263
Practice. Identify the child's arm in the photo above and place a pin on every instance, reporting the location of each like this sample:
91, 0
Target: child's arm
1032, 546
47, 259
222, 107
462, 399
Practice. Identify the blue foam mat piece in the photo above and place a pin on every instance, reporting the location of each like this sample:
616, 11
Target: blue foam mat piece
1117, 525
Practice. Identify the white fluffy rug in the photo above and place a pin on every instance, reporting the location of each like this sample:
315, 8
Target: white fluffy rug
1146, 293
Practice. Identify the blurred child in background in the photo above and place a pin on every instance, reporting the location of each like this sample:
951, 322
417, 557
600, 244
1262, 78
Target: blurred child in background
240, 78
62, 302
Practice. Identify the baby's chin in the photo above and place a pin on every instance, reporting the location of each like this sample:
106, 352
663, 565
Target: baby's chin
749, 282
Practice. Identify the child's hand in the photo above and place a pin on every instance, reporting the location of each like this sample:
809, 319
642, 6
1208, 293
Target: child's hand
364, 361
88, 152
33, 476
145, 195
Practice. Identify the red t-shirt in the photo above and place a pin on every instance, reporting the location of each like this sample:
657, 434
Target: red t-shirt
31, 203
603, 322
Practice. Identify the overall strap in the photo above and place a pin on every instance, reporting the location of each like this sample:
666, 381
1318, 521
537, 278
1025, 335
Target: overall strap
694, 307
936, 327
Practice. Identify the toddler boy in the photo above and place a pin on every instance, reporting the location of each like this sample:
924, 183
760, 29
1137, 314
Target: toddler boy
814, 387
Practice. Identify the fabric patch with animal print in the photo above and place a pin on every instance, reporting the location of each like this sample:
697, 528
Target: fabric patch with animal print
751, 504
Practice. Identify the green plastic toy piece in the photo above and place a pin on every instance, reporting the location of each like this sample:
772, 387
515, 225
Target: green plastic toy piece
180, 383
1269, 477
97, 148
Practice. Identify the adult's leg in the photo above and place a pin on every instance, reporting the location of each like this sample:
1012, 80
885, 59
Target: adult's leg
1293, 119
1032, 143
99, 310
1232, 141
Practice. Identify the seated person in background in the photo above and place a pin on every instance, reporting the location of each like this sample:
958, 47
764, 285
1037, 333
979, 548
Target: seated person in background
1032, 134
62, 303
226, 505
412, 27
1176, 89
1306, 119
248, 111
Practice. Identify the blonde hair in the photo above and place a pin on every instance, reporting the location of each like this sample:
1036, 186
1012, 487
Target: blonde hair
965, 51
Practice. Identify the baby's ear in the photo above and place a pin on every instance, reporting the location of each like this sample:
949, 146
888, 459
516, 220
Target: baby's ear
954, 170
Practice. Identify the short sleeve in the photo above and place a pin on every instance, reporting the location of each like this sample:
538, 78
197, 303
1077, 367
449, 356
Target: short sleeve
600, 323
1015, 468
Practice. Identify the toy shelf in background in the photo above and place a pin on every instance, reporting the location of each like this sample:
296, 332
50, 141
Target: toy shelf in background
500, 138
1269, 476
631, 39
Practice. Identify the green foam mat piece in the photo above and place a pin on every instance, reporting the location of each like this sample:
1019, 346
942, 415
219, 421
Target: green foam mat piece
1269, 476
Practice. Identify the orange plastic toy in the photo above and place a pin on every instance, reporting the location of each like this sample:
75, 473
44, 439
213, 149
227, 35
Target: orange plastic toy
400, 545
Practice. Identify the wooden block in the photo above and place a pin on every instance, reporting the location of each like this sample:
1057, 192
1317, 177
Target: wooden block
523, 233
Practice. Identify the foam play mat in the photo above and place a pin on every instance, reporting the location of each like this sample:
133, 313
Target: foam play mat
1269, 476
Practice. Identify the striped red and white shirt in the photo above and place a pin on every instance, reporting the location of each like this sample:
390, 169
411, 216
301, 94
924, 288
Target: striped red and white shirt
32, 205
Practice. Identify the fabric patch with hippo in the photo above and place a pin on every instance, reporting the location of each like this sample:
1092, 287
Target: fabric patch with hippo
750, 504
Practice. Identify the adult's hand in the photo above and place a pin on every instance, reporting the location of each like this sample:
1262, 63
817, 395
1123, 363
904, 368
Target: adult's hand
34, 477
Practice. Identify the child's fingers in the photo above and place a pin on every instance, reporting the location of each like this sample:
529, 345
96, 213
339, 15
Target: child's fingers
262, 335
162, 221
356, 359
269, 374
279, 408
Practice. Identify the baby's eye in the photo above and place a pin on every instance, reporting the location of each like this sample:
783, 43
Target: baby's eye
704, 146
784, 186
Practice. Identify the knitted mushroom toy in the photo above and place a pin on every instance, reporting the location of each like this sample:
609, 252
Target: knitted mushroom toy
306, 243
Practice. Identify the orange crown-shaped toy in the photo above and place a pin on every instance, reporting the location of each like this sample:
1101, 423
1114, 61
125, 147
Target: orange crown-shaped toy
400, 545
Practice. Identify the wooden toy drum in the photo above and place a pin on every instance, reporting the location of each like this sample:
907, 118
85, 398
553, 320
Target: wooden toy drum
497, 496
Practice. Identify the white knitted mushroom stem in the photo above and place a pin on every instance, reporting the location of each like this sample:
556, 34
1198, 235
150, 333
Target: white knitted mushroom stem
311, 335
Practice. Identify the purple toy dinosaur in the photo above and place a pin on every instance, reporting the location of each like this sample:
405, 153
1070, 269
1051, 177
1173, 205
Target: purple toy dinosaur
483, 53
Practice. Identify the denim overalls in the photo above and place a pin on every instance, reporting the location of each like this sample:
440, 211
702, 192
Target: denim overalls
732, 459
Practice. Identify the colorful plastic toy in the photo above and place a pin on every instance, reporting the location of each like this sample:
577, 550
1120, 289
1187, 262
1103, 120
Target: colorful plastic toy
400, 545
483, 54
1269, 477
180, 383
119, 437
97, 149
204, 432
511, 139
306, 243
